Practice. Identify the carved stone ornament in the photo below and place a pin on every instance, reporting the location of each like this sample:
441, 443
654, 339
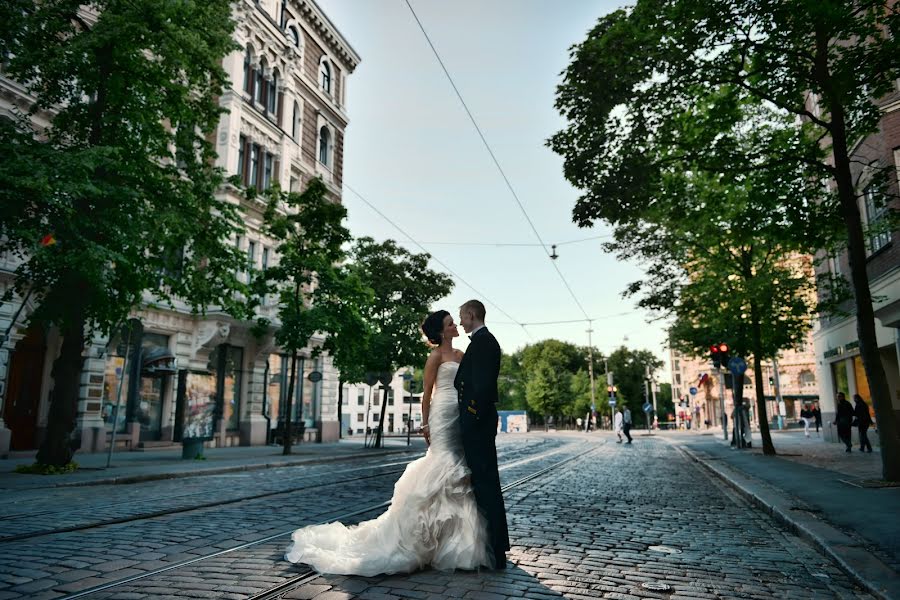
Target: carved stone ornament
208, 335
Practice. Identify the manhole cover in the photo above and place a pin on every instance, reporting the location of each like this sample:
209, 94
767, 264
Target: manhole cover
655, 587
664, 549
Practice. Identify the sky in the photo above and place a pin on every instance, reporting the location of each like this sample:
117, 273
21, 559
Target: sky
412, 152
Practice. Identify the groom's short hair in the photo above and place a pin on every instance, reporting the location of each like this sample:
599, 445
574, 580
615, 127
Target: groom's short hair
476, 308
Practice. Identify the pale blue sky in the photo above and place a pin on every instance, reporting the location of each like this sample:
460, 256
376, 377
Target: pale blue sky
412, 152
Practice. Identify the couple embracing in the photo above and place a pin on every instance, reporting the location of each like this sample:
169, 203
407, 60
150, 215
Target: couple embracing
447, 510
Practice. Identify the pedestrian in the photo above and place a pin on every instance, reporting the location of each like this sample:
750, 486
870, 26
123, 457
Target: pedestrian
626, 424
617, 425
863, 420
806, 416
817, 416
844, 419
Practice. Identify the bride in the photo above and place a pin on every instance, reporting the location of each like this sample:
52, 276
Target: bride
433, 519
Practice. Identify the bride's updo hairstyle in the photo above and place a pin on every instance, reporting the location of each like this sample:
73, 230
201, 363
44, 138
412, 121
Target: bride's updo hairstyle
433, 325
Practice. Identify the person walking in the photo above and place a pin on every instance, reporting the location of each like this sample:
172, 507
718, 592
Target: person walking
844, 420
817, 416
863, 420
617, 425
806, 416
626, 424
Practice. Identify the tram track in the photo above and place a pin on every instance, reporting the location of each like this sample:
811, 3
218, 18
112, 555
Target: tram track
307, 575
299, 484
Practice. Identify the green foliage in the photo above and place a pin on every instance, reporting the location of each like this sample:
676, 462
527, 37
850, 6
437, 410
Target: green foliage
511, 383
629, 368
403, 290
123, 177
44, 469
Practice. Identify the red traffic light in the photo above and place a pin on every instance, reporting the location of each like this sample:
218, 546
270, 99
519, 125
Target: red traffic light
714, 349
723, 347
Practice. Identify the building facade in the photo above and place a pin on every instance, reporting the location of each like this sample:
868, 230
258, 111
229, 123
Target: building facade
792, 376
285, 123
839, 365
362, 404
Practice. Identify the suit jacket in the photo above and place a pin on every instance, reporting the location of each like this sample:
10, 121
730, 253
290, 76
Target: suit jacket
476, 381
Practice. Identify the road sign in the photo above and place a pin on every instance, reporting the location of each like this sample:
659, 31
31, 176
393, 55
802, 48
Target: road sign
407, 376
693, 391
612, 402
737, 365
315, 376
593, 407
647, 407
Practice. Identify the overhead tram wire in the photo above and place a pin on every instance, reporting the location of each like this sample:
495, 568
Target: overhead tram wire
437, 260
496, 162
516, 244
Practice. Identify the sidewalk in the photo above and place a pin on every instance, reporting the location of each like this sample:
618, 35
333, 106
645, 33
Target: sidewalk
818, 490
134, 467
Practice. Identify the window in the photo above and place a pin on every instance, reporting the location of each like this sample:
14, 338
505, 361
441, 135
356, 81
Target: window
259, 84
325, 76
254, 164
267, 171
876, 212
265, 258
295, 123
241, 157
324, 145
345, 397
360, 397
360, 418
390, 397
294, 36
295, 185
807, 379
272, 94
375, 417
248, 71
251, 255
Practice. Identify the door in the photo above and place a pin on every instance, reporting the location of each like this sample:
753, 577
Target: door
23, 392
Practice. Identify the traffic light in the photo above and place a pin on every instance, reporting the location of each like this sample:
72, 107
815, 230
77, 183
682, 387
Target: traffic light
714, 356
771, 381
612, 389
723, 354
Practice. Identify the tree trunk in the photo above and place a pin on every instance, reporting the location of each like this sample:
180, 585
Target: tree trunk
59, 445
761, 412
289, 405
380, 429
865, 315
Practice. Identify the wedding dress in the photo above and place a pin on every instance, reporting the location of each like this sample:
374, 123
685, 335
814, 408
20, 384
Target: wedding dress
432, 520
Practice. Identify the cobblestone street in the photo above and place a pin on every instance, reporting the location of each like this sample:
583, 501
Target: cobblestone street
614, 521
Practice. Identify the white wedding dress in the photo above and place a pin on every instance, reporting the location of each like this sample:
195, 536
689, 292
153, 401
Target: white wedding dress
432, 520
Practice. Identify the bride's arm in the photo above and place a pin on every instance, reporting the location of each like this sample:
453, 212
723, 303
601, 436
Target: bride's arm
429, 376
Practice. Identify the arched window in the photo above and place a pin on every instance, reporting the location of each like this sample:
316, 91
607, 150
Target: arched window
295, 126
259, 83
272, 95
807, 379
248, 70
294, 36
324, 145
325, 76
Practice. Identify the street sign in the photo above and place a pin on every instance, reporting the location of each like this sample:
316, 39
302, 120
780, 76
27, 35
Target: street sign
593, 407
315, 376
612, 402
737, 365
693, 391
647, 407
407, 376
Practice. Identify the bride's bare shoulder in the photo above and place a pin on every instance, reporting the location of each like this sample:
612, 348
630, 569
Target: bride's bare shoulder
459, 355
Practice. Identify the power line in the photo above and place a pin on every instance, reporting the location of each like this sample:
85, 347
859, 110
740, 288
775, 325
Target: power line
437, 260
515, 244
494, 158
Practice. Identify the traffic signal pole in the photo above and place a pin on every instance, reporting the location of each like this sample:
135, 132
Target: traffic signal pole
722, 404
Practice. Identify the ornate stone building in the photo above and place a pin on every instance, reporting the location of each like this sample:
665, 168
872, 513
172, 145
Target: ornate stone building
286, 123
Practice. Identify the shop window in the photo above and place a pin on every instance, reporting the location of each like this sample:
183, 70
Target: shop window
227, 362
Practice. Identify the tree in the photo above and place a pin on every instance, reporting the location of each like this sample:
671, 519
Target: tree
549, 364
826, 63
121, 185
404, 289
511, 383
316, 294
664, 403
629, 368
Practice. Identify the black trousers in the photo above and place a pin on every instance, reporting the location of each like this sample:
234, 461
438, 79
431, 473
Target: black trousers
844, 435
480, 448
864, 439
626, 429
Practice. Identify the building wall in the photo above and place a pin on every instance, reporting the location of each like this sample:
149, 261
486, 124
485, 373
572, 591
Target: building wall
192, 340
361, 401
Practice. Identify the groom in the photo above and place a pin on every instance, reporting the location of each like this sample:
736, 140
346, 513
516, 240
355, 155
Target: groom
476, 383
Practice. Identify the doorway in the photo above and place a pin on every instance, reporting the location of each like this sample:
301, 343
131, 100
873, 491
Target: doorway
23, 392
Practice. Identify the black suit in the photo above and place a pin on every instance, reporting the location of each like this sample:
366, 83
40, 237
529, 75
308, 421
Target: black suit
476, 382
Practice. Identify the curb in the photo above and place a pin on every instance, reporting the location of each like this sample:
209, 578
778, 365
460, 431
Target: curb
850, 553
126, 479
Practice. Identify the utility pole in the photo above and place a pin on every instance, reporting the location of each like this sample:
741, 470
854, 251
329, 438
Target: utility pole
779, 401
591, 374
